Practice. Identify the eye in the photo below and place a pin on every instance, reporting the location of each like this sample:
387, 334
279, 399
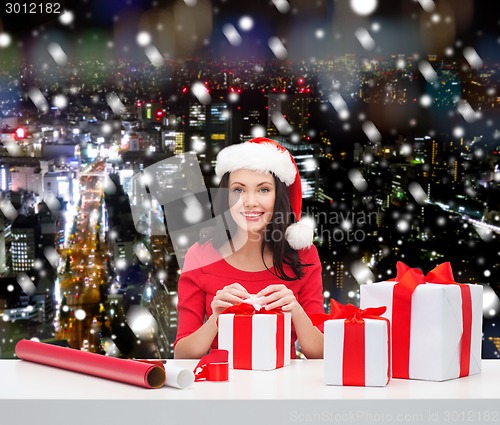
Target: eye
265, 190
237, 190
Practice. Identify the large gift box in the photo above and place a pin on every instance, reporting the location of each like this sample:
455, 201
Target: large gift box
436, 323
356, 345
255, 339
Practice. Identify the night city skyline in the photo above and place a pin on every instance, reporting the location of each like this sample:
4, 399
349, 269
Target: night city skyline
392, 116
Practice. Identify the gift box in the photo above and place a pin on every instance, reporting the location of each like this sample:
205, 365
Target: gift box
436, 323
356, 345
255, 339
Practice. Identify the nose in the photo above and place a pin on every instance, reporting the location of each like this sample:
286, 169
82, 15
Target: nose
249, 200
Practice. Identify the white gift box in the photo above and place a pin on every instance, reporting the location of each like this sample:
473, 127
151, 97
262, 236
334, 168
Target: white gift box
436, 327
376, 352
264, 351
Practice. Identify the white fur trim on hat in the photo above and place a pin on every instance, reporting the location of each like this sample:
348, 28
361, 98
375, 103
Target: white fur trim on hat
263, 157
299, 235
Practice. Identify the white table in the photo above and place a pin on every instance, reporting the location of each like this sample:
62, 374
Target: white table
36, 394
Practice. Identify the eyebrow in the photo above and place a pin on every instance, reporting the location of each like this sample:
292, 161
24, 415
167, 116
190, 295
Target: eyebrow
243, 184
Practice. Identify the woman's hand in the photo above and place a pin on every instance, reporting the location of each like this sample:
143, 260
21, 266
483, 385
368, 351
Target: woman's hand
228, 296
279, 296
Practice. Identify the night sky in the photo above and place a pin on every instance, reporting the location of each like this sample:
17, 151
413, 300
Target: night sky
397, 26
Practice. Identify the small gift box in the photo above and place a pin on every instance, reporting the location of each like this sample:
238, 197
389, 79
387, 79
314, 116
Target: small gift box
256, 339
356, 345
436, 323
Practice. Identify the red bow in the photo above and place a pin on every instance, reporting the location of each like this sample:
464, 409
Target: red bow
249, 309
441, 274
408, 279
349, 312
353, 359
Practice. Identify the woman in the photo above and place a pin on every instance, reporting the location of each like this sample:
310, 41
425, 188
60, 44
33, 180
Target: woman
267, 252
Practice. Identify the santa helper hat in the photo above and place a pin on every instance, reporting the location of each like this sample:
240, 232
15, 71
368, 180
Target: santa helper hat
266, 155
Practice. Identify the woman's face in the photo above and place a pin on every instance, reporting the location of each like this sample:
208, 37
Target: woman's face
251, 199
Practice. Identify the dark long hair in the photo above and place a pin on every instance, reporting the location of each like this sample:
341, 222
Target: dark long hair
274, 234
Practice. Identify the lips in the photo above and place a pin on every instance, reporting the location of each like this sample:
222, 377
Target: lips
252, 215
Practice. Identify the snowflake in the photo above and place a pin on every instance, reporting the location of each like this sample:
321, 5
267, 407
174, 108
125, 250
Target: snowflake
472, 57
282, 5
52, 256
362, 273
232, 35
365, 38
201, 93
246, 23
281, 123
5, 40
115, 103
38, 99
418, 193
143, 38
425, 101
364, 7
320, 33
357, 180
80, 314
58, 54
277, 47
154, 56
371, 132
26, 283
67, 17
403, 226
458, 132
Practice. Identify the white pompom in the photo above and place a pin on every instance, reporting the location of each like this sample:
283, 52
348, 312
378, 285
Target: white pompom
299, 235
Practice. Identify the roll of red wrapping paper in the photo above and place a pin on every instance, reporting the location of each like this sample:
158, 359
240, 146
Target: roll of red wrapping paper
141, 373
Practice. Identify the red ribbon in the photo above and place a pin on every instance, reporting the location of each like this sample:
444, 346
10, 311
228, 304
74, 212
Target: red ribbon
353, 361
408, 279
242, 334
213, 367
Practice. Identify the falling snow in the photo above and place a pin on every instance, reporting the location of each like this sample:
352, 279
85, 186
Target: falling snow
472, 57
26, 283
154, 56
281, 123
232, 34
282, 5
363, 7
58, 54
357, 180
201, 93
371, 132
5, 40
115, 103
418, 193
362, 273
427, 71
67, 18
246, 23
365, 39
38, 99
277, 47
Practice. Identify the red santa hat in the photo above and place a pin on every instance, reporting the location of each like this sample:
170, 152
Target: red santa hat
266, 155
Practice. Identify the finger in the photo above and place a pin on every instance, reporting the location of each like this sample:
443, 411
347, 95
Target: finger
220, 304
271, 298
230, 298
270, 289
277, 304
236, 285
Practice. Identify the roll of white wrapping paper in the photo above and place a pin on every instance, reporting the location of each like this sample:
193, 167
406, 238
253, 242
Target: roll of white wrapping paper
178, 377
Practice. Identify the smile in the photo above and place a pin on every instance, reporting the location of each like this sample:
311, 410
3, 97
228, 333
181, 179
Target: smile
252, 214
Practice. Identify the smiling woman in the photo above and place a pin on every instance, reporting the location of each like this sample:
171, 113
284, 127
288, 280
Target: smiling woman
262, 250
